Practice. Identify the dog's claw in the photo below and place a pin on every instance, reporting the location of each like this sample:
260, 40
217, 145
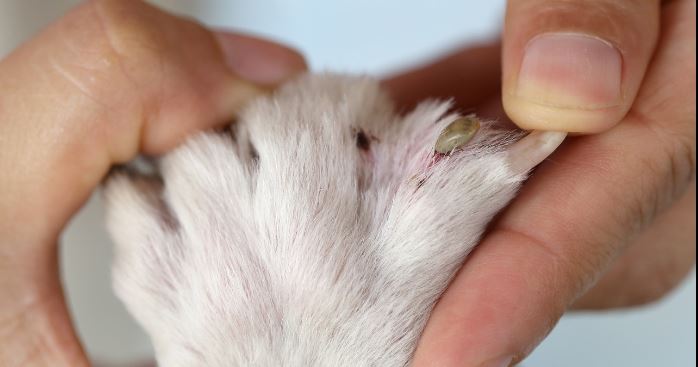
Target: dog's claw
533, 149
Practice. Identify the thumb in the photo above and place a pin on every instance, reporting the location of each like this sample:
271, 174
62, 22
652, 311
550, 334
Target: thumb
575, 66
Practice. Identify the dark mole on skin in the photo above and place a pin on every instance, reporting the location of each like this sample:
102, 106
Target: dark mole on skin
362, 141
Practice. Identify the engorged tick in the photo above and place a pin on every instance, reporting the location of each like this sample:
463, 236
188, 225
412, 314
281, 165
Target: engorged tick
457, 134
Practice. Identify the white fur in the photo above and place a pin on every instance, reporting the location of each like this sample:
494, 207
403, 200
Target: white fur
282, 243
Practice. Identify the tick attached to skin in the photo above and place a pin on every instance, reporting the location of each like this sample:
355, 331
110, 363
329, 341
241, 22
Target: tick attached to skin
457, 134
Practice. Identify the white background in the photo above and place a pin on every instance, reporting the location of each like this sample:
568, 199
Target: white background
364, 36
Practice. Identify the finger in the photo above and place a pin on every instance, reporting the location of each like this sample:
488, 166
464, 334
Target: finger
469, 77
654, 264
260, 61
572, 218
575, 66
109, 80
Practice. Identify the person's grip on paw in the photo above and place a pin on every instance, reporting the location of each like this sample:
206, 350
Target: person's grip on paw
609, 221
110, 80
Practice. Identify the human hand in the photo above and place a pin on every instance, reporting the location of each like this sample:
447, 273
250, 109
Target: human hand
108, 81
609, 220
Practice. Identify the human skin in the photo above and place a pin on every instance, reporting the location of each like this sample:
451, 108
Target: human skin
609, 220
110, 80
114, 79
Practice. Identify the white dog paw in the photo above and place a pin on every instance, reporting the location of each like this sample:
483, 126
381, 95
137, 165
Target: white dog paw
319, 230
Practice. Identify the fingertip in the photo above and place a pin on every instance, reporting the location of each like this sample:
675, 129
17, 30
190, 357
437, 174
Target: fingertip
575, 67
529, 115
567, 82
260, 61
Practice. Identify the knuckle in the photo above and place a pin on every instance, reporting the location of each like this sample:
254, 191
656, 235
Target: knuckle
683, 164
672, 170
676, 167
670, 164
112, 52
97, 48
127, 29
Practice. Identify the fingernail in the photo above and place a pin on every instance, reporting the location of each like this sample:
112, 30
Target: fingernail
499, 362
260, 61
569, 70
